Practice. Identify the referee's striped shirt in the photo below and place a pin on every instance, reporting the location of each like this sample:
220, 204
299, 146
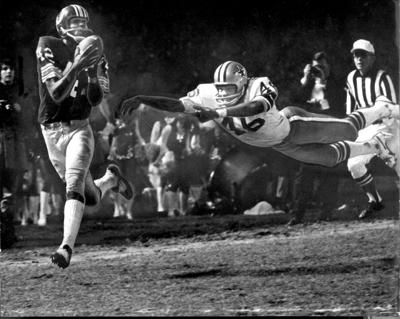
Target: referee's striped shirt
362, 91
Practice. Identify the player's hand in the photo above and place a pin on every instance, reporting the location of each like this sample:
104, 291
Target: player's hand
86, 58
190, 106
205, 114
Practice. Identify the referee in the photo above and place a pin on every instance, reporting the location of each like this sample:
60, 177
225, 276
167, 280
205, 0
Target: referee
364, 85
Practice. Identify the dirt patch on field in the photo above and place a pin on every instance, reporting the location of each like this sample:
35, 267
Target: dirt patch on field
227, 265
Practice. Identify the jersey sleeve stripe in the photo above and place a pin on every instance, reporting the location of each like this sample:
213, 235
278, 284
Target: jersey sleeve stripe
270, 100
104, 83
50, 71
268, 103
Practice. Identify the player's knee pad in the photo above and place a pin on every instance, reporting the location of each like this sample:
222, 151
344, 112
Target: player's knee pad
76, 196
75, 187
357, 166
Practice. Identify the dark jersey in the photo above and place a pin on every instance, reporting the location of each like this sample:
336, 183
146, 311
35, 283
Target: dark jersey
54, 57
8, 115
177, 143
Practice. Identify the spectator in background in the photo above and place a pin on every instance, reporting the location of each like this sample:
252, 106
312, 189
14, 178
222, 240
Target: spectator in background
13, 155
177, 174
124, 145
155, 151
319, 92
364, 85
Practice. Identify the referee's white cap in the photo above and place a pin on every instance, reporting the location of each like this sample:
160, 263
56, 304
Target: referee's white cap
364, 45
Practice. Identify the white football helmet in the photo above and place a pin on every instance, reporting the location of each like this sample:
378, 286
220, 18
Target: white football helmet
63, 24
230, 73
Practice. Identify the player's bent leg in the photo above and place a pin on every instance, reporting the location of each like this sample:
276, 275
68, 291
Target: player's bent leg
92, 192
383, 108
114, 180
319, 154
332, 154
309, 128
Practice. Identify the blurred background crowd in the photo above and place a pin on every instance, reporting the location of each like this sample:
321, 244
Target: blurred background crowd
168, 48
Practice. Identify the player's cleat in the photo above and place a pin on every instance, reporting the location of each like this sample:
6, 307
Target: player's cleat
123, 187
393, 108
384, 152
370, 209
62, 257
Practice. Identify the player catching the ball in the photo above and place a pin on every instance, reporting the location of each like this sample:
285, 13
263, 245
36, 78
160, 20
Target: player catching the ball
69, 70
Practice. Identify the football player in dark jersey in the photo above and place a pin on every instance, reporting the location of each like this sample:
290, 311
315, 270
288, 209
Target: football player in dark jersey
72, 80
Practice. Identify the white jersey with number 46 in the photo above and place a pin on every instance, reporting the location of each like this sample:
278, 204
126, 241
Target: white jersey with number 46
264, 129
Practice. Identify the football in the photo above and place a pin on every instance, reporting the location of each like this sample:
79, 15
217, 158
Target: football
93, 40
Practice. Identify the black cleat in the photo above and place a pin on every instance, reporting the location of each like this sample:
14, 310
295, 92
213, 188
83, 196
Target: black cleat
62, 257
126, 191
370, 209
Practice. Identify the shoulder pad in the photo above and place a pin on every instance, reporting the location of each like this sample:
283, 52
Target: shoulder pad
45, 46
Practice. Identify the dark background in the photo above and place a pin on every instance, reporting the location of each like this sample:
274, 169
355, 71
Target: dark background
168, 47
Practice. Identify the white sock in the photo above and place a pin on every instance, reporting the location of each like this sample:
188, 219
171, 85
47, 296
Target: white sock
44, 206
377, 112
73, 212
160, 199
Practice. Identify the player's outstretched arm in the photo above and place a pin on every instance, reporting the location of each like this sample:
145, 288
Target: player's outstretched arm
245, 109
205, 114
157, 102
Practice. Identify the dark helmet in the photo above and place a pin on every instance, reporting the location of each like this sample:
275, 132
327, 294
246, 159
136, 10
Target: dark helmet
63, 23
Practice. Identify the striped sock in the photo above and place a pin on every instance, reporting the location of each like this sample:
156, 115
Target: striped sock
367, 183
342, 150
357, 119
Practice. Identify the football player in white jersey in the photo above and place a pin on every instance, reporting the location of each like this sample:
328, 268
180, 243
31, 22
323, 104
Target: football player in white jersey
245, 108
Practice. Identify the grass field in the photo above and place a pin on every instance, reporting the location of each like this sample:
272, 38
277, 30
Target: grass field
206, 266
